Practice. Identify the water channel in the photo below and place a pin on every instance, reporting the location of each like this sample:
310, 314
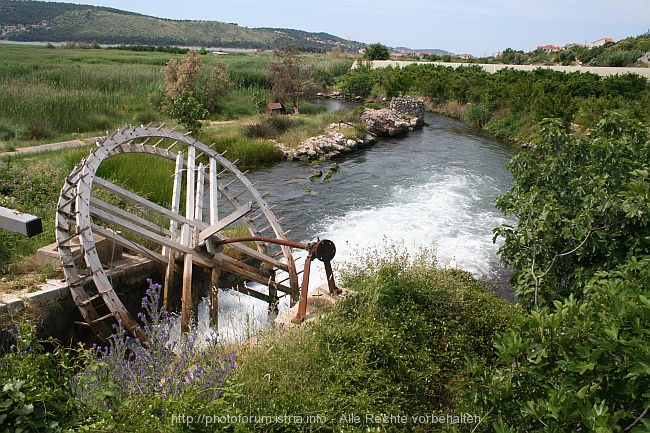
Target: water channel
432, 188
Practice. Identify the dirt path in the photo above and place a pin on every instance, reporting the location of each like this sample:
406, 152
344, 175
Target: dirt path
50, 146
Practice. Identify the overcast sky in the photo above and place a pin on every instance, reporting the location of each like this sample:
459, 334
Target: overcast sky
478, 27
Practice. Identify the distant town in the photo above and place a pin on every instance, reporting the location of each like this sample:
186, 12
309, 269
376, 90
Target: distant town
407, 52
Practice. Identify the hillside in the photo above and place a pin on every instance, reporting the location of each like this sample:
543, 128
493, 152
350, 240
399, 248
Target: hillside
29, 21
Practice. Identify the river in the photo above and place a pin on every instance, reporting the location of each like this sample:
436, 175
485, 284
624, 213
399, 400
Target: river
434, 187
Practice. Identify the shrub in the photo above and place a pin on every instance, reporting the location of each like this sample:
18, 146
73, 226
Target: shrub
477, 115
188, 112
36, 394
163, 374
578, 366
268, 127
396, 347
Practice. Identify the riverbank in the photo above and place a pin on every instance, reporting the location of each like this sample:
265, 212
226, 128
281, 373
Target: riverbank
404, 115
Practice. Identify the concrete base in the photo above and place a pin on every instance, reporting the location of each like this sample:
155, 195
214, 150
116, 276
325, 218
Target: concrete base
318, 301
107, 250
54, 311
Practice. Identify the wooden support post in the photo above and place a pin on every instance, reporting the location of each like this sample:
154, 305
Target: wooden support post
198, 202
198, 216
173, 227
214, 298
186, 298
214, 192
214, 217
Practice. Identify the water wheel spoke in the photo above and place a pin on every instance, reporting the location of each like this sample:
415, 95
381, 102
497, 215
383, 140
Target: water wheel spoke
225, 222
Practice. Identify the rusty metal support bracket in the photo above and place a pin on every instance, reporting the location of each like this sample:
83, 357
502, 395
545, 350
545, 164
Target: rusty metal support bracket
323, 250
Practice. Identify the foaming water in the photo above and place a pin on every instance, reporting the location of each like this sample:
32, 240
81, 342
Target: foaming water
433, 188
447, 213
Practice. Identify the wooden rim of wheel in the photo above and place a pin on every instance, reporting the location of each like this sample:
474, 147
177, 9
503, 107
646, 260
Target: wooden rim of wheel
81, 215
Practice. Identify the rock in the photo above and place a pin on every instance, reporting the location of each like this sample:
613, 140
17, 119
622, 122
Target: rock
385, 122
325, 146
406, 113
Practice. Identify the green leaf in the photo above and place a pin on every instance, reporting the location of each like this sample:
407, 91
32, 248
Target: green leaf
27, 409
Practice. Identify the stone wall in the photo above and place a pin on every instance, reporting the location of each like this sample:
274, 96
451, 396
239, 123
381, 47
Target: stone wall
408, 106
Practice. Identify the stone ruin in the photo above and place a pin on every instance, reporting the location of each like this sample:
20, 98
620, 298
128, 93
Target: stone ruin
409, 106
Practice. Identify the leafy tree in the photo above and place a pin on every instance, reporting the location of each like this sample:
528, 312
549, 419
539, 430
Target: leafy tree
579, 366
188, 112
583, 206
579, 360
259, 100
359, 81
477, 115
181, 76
513, 57
213, 87
377, 51
290, 76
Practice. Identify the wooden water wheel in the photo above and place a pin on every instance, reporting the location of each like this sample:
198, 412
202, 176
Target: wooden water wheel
177, 236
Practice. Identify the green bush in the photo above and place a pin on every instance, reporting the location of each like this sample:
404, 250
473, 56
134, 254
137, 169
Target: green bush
582, 205
36, 392
396, 347
188, 112
580, 365
477, 115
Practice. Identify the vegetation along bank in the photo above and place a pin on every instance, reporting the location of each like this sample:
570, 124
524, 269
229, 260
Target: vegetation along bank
571, 356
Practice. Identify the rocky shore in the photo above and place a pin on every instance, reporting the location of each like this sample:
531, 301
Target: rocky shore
404, 115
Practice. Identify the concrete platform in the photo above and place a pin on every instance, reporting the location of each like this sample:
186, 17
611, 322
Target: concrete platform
318, 301
108, 252
54, 311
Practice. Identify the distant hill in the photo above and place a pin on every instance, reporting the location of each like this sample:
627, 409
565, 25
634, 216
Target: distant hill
435, 51
30, 21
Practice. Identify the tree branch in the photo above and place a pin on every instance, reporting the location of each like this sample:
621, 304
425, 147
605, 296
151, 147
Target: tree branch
537, 278
638, 420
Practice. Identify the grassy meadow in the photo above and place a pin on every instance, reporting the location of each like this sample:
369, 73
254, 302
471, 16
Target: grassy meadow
55, 93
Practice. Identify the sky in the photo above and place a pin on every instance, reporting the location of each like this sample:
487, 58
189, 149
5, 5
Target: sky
477, 27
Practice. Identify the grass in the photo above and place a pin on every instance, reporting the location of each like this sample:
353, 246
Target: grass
47, 94
398, 347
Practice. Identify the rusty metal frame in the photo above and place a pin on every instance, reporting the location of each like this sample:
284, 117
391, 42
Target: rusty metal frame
323, 250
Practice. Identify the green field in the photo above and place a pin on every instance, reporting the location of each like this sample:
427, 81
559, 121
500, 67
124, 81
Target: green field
54, 94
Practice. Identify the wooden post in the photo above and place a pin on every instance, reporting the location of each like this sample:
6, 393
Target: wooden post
214, 192
173, 228
216, 273
198, 216
186, 298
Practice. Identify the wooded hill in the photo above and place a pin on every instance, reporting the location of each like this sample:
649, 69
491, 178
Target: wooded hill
31, 21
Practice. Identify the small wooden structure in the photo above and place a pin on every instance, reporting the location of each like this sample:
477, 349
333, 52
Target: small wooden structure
181, 236
275, 108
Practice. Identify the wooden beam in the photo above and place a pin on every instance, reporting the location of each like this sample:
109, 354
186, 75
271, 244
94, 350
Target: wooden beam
129, 245
19, 222
187, 240
173, 227
111, 187
225, 222
96, 203
254, 293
